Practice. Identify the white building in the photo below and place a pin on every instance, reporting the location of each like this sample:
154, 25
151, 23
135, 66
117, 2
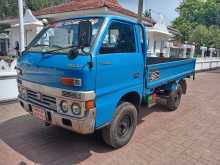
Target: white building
32, 26
159, 36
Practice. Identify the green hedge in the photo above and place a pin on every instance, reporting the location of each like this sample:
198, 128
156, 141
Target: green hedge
8, 59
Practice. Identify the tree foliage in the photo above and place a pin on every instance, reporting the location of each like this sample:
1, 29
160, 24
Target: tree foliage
10, 7
199, 22
39, 4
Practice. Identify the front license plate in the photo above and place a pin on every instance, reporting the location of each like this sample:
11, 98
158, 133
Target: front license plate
39, 113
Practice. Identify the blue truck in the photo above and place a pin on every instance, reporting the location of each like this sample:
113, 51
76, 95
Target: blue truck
92, 73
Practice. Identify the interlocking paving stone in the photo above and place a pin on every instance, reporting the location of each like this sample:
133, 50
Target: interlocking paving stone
190, 135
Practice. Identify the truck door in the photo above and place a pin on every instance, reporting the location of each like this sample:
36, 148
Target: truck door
119, 67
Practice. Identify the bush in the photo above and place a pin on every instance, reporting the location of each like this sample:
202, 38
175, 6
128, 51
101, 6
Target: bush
8, 59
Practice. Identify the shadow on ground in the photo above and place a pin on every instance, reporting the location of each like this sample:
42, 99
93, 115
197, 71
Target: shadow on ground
52, 145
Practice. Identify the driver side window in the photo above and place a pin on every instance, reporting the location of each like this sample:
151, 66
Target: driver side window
119, 39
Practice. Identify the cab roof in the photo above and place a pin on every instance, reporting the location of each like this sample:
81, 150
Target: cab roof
109, 17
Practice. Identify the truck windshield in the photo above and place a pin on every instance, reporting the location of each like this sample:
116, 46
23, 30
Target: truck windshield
63, 35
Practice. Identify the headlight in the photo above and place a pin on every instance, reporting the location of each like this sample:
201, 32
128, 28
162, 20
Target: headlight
64, 106
76, 109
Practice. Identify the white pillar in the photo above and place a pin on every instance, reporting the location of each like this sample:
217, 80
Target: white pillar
211, 51
168, 45
184, 50
203, 51
21, 21
192, 51
218, 53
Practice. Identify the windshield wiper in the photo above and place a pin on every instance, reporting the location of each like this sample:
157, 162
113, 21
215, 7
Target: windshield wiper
34, 46
55, 50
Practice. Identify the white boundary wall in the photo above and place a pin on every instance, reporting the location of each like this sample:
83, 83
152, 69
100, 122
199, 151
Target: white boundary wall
8, 87
207, 63
8, 83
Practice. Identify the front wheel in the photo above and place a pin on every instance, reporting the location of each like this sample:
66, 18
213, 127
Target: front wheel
122, 128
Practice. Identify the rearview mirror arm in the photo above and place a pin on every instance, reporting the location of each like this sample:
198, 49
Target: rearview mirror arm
90, 63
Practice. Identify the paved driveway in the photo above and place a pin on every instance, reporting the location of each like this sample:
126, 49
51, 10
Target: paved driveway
190, 135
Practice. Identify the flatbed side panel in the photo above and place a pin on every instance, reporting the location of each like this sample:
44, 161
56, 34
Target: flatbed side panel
163, 73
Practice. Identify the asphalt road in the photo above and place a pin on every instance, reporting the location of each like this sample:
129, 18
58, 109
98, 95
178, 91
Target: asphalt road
190, 135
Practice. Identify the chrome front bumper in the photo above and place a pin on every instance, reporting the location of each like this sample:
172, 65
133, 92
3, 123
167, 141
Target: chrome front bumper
84, 125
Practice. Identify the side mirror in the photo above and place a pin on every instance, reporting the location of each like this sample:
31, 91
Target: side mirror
85, 34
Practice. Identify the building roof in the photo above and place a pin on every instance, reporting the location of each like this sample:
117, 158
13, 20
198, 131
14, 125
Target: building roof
79, 5
160, 27
29, 19
173, 30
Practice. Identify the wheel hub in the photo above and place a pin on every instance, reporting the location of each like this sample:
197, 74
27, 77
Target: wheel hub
124, 126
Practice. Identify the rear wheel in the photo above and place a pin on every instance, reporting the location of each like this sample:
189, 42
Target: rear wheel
174, 99
122, 127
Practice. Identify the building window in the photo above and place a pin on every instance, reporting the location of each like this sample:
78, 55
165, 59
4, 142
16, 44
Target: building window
155, 46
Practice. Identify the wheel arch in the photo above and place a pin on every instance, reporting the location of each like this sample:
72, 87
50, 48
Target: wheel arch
183, 85
131, 97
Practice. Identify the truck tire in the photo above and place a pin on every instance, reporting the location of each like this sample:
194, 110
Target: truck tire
173, 101
122, 128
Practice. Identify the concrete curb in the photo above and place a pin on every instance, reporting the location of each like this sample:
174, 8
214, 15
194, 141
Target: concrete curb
207, 70
8, 101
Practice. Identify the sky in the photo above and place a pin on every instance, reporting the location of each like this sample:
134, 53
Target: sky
164, 7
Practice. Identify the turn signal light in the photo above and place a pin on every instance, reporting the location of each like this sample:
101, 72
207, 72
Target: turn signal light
67, 81
71, 81
90, 104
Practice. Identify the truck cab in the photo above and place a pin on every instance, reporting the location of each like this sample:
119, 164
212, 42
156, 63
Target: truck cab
90, 73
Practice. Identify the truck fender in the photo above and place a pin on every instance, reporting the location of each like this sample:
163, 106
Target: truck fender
173, 86
131, 97
183, 85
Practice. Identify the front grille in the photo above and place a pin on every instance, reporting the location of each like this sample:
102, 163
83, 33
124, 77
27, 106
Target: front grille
41, 99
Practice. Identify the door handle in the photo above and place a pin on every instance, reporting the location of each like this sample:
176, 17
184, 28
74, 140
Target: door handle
106, 63
136, 75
